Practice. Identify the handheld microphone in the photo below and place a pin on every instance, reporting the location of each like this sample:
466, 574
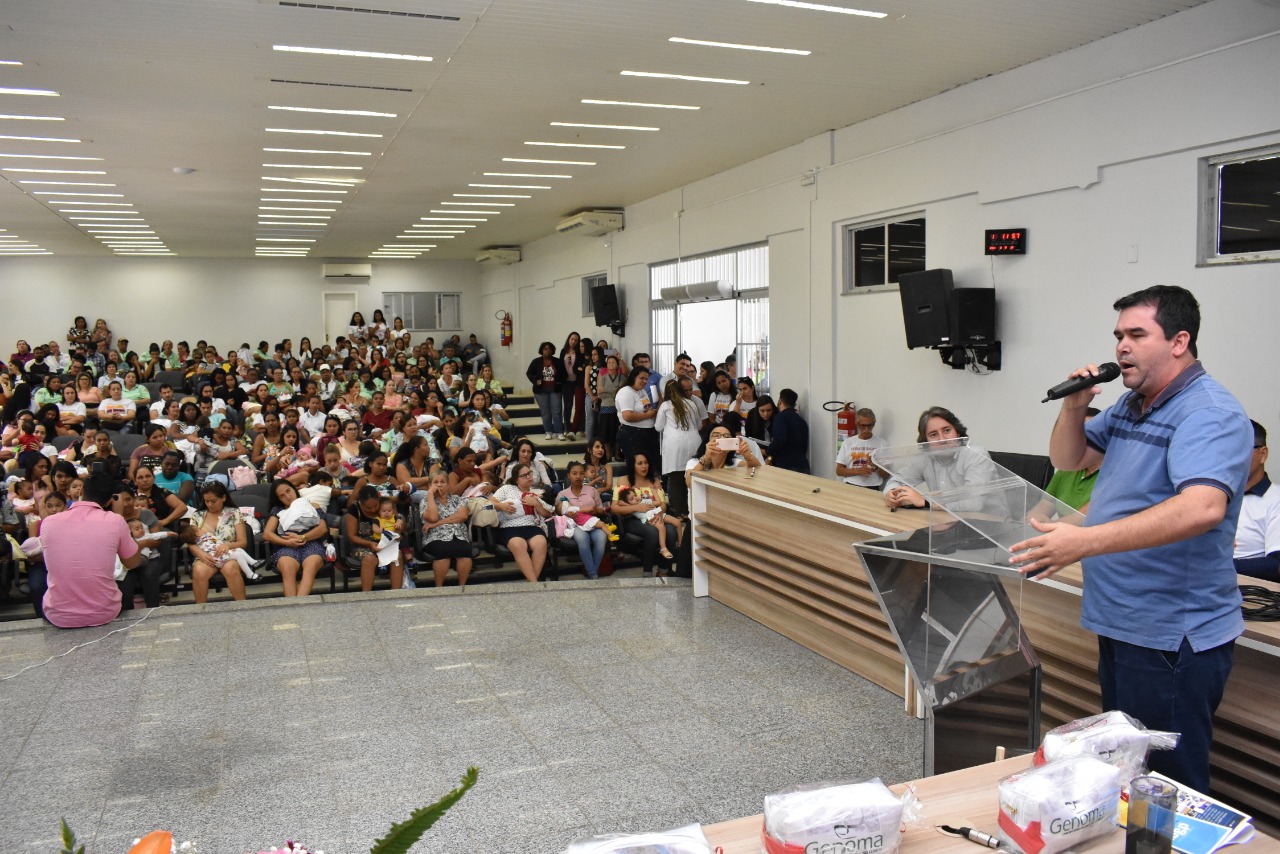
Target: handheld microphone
1107, 372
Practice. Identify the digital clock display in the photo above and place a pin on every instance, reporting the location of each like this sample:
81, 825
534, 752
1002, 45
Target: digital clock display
1006, 241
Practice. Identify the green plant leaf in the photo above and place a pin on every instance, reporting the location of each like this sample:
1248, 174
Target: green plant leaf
401, 837
69, 840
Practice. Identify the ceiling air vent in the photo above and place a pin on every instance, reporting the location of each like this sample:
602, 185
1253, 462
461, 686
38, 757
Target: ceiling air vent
351, 274
500, 256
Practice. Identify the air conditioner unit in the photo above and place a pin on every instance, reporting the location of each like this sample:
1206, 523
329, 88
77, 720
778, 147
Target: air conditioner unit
498, 257
347, 273
591, 223
698, 292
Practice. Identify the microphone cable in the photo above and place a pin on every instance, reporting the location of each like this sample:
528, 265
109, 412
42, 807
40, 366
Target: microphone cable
1260, 603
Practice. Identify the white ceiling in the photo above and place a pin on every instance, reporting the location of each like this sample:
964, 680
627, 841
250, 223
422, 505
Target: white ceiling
153, 85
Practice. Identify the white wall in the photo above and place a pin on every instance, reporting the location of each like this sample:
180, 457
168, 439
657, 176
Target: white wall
223, 301
1093, 151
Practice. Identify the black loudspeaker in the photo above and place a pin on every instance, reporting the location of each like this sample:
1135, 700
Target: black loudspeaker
973, 316
925, 299
604, 302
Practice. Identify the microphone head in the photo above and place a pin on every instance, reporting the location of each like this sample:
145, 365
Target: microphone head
1107, 372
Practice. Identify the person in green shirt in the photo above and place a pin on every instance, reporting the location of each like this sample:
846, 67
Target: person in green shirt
50, 392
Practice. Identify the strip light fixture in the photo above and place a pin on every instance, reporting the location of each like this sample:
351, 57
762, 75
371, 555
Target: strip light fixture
821, 7
601, 102
690, 77
333, 51
736, 46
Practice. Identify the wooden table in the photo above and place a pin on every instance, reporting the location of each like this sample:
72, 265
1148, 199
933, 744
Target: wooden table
961, 798
778, 547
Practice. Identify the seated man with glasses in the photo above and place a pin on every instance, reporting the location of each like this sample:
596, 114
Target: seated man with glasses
853, 462
1257, 550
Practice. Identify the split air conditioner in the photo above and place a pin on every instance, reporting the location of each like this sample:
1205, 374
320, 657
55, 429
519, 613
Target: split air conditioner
350, 274
498, 257
591, 223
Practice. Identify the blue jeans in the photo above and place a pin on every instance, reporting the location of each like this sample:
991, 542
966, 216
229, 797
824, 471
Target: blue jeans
549, 408
1170, 691
591, 545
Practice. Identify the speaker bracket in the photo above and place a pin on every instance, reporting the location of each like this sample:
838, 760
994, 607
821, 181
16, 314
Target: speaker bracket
976, 357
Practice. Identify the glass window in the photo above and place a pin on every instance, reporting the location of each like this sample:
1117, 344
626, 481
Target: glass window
424, 311
1240, 208
589, 282
876, 254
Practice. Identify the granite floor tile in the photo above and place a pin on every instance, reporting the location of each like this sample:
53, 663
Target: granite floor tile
609, 709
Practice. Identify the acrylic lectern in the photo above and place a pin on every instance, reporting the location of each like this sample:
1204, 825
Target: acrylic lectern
952, 600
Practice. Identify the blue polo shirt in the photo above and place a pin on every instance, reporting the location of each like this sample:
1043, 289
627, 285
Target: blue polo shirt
1195, 433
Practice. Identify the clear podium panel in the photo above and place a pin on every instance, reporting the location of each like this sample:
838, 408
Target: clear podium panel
952, 599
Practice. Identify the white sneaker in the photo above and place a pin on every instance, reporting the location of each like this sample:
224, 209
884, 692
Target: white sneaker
560, 437
548, 437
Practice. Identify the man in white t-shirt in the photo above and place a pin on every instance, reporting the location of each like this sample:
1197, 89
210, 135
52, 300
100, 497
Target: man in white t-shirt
853, 462
166, 395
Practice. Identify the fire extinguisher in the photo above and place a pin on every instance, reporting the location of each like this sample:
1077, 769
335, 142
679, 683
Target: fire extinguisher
505, 326
846, 419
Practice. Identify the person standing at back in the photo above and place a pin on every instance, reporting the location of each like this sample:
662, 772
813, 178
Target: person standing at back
790, 446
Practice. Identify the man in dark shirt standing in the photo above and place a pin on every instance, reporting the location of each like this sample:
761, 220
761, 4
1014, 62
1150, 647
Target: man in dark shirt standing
790, 445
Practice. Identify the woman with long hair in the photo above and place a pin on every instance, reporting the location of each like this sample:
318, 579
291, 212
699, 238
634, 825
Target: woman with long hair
609, 382
581, 502
640, 484
298, 534
678, 423
225, 525
573, 393
599, 470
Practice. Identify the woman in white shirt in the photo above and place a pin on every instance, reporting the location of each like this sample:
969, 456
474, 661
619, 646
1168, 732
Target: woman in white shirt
520, 527
71, 412
678, 423
357, 329
637, 415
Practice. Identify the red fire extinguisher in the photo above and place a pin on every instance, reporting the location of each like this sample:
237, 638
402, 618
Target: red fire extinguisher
846, 419
506, 327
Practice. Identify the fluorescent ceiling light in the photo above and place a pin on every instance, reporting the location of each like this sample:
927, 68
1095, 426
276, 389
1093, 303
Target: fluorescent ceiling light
285, 239
690, 77
554, 162
409, 246
314, 210
324, 132
41, 138
297, 190
318, 151
446, 210
575, 145
639, 104
484, 204
113, 231
447, 226
522, 175
367, 54
59, 171
293, 216
50, 157
432, 236
65, 193
602, 127
90, 210
336, 112
100, 204
9, 62
334, 183
453, 219
48, 92
821, 7
506, 186
737, 46
105, 218
306, 166
68, 183
489, 196
410, 257
33, 118
303, 201
284, 226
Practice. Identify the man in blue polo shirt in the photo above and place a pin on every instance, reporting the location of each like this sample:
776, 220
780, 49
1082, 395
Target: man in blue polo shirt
1160, 589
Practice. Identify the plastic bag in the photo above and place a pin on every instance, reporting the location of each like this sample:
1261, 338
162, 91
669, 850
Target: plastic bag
1054, 807
683, 840
1113, 737
861, 817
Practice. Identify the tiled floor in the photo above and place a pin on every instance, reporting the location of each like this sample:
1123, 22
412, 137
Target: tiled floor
613, 706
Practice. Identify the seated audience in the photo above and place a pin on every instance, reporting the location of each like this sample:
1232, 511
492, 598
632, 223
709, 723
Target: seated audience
1257, 549
853, 462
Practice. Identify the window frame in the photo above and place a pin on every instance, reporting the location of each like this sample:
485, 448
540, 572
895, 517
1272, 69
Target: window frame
1209, 211
848, 269
394, 304
588, 282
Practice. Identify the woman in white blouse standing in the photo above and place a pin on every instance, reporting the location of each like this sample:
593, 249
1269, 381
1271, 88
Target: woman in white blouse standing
637, 415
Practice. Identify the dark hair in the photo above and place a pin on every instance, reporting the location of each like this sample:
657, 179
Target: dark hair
213, 487
99, 487
635, 372
543, 346
575, 464
1176, 310
516, 470
1259, 434
274, 489
789, 397
405, 452
366, 492
939, 412
631, 468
